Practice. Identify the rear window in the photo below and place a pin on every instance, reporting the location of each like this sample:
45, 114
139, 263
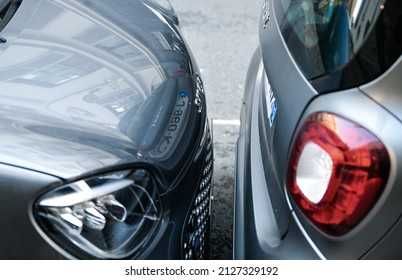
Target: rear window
342, 43
7, 11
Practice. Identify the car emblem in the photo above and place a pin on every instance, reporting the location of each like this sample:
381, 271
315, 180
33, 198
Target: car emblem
265, 15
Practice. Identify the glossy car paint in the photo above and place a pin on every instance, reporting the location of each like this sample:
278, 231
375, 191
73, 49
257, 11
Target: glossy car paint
268, 225
73, 76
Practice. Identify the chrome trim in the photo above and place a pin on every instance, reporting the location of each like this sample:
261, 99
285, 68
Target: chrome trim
82, 196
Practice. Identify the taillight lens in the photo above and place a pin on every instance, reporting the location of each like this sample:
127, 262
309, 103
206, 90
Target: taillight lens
337, 171
108, 216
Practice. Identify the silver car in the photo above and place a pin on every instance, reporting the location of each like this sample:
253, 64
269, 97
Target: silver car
105, 147
319, 155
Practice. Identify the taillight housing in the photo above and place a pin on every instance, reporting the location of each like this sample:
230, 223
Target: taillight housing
337, 171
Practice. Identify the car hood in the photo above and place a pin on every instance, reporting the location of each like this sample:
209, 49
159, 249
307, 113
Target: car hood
91, 84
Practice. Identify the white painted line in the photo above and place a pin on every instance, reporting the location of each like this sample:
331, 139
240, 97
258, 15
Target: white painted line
225, 122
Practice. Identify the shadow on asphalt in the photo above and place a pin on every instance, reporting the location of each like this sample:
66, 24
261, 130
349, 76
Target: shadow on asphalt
225, 137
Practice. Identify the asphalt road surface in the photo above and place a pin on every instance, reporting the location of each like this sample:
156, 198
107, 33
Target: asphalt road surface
222, 35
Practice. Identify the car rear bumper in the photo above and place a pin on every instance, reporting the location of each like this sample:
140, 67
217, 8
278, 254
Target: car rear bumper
257, 230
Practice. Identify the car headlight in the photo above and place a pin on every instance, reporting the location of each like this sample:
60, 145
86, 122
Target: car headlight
108, 216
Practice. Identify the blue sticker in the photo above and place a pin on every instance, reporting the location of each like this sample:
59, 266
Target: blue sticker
183, 93
272, 112
272, 105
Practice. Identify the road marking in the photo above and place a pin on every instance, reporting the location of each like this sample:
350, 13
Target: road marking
225, 122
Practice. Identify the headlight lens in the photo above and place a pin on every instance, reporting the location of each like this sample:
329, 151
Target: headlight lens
109, 216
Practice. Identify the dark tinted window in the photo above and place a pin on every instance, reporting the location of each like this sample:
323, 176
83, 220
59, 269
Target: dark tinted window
342, 43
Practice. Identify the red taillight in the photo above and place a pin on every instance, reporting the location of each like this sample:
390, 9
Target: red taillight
337, 171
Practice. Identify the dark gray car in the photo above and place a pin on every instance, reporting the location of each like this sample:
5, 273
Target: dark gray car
318, 158
105, 148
